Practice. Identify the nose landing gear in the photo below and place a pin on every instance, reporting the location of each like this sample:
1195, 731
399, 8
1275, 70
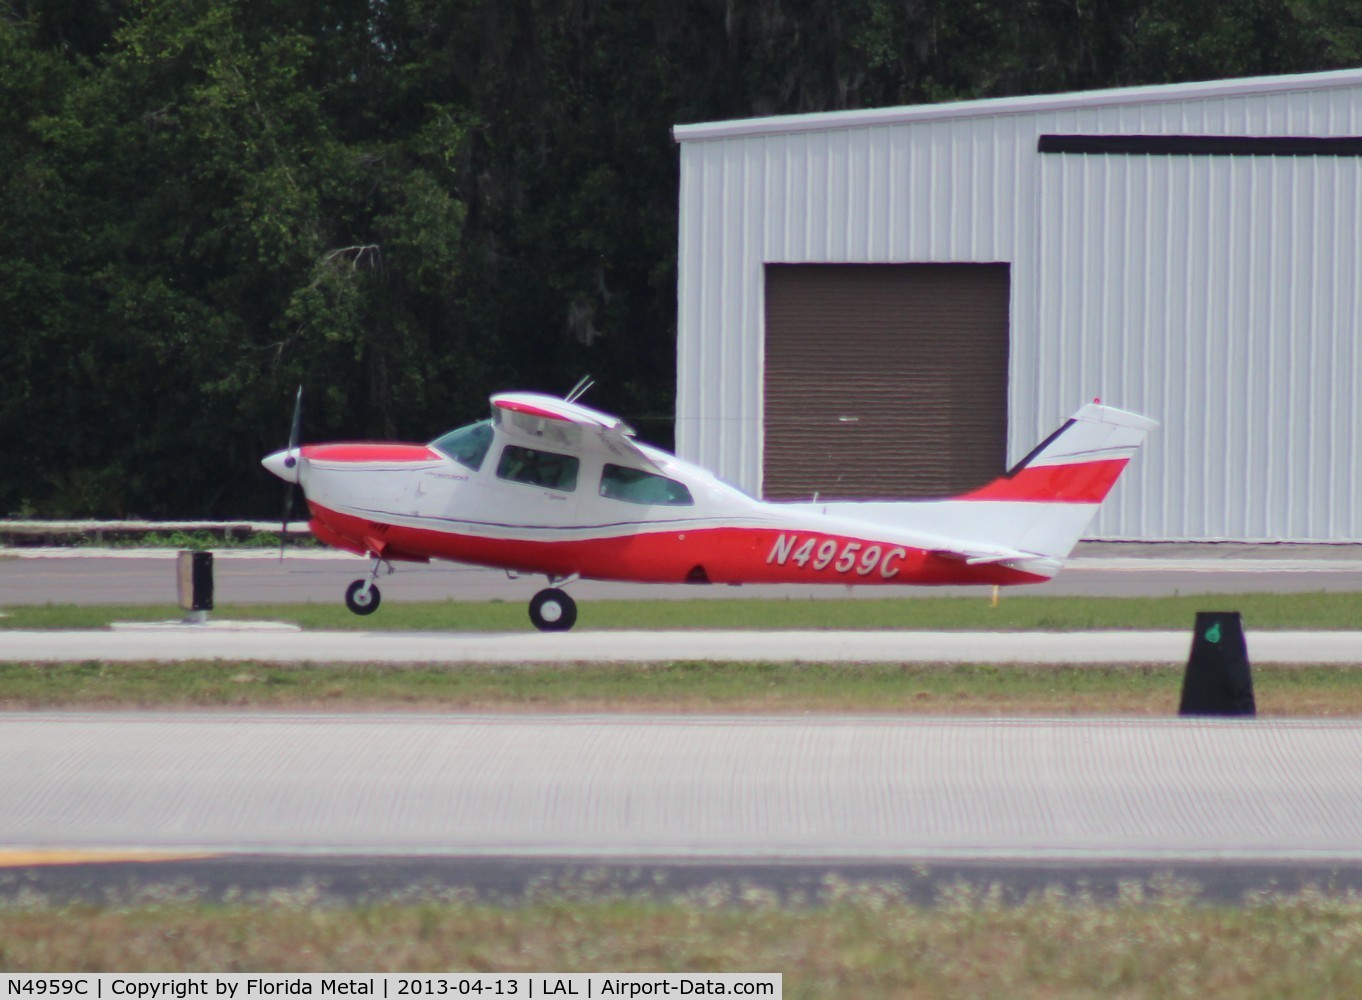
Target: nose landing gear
363, 597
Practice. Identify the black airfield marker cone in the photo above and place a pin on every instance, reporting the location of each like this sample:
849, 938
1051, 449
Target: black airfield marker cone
1218, 680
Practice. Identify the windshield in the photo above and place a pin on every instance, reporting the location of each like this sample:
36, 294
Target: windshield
467, 445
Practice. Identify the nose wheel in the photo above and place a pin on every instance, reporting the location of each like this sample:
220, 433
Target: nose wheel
362, 597
552, 610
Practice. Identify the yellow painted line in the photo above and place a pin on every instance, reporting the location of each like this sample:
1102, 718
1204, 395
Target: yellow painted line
40, 856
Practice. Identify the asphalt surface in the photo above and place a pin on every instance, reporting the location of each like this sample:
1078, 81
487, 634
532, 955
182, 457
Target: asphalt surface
657, 785
256, 641
505, 807
66, 576
1236, 803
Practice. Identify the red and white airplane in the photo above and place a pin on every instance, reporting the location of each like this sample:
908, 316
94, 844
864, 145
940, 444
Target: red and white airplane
549, 486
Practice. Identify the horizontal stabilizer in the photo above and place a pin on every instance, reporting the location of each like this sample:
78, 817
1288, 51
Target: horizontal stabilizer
975, 558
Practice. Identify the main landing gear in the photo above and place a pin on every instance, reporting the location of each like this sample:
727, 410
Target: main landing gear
552, 610
363, 596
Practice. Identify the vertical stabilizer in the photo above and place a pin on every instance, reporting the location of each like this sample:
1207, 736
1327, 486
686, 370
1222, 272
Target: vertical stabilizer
1053, 494
1040, 507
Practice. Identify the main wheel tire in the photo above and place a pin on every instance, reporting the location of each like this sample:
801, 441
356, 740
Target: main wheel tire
552, 610
361, 601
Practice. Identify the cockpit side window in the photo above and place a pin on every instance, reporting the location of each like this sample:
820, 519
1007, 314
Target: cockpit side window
538, 468
637, 486
467, 445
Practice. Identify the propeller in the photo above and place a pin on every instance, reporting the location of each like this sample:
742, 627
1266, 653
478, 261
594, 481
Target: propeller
291, 461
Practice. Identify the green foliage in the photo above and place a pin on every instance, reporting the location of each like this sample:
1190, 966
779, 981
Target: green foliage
845, 937
675, 687
406, 205
197, 232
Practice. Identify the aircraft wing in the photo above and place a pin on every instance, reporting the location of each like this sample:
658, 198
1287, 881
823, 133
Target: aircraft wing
549, 418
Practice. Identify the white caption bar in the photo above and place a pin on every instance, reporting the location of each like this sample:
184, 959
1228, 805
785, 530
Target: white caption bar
392, 986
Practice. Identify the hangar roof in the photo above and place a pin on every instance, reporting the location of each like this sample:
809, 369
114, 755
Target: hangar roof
823, 121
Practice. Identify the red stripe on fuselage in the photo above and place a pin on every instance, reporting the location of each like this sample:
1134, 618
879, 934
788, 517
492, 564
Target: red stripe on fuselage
1080, 482
369, 452
727, 555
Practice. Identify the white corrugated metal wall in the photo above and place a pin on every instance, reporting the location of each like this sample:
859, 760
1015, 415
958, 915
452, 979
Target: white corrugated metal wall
1221, 295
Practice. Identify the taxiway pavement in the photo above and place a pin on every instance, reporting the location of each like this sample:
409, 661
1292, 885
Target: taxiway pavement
197, 642
606, 787
76, 576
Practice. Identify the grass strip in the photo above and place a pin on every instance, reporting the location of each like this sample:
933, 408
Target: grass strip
863, 944
1313, 611
682, 687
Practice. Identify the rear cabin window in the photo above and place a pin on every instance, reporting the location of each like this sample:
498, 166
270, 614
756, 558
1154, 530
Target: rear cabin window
637, 486
538, 468
467, 445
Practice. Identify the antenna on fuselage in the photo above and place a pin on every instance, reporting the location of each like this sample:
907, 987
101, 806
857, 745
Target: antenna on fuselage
580, 389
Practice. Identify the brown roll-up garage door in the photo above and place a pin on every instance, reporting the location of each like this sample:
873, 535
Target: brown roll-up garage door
884, 380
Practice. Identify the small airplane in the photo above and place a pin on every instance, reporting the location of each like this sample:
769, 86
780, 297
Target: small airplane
549, 486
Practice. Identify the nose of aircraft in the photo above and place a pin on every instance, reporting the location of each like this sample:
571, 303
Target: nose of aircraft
283, 464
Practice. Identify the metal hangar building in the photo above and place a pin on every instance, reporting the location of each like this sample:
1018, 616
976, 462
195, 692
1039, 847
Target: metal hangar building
901, 302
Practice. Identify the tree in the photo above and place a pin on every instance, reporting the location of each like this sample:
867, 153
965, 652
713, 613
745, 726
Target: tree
206, 232
408, 204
